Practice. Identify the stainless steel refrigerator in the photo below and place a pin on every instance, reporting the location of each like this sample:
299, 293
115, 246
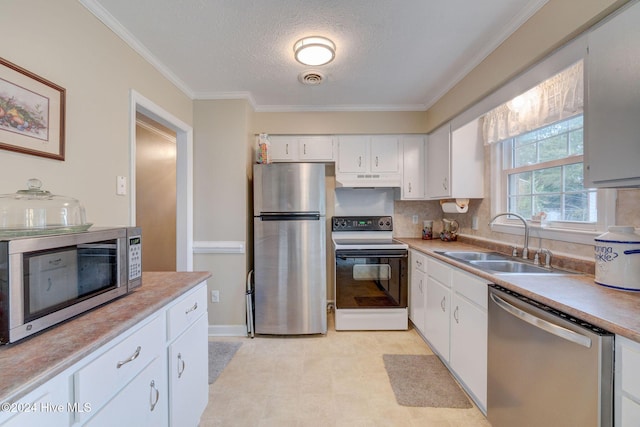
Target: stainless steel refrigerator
290, 278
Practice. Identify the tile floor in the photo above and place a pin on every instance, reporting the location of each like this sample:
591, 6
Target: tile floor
333, 380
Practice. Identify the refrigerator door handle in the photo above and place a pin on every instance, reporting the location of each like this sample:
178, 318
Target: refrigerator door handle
290, 217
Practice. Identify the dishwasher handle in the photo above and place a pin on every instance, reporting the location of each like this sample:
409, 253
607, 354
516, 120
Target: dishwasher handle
552, 328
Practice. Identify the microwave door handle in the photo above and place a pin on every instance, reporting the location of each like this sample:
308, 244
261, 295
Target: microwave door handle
545, 325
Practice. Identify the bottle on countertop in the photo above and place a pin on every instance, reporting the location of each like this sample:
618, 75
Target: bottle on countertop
427, 230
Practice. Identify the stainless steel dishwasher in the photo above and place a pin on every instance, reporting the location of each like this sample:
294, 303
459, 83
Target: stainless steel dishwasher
546, 368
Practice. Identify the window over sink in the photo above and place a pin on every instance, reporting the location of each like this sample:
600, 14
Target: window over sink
537, 142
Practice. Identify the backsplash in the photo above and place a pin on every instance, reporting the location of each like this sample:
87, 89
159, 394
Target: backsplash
627, 213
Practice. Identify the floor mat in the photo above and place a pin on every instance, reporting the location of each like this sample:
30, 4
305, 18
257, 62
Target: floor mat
423, 380
220, 353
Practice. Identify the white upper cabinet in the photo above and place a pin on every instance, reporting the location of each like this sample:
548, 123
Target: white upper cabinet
385, 153
455, 162
283, 148
369, 161
413, 167
612, 104
467, 161
353, 154
439, 163
294, 148
315, 148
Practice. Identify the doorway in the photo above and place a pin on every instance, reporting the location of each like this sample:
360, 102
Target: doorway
156, 153
148, 111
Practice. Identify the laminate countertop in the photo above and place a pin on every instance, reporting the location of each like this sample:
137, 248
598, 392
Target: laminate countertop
31, 362
576, 294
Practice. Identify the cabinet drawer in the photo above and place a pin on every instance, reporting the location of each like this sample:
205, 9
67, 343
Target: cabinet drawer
143, 402
186, 311
418, 261
97, 382
439, 271
471, 287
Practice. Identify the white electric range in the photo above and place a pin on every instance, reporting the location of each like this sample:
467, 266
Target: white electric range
371, 274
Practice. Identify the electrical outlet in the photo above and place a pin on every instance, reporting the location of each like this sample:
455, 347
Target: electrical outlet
215, 296
121, 185
474, 222
414, 219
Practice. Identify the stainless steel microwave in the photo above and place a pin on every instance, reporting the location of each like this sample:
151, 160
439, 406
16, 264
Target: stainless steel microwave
47, 279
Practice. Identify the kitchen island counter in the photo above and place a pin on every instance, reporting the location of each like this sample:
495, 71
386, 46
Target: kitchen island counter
33, 361
575, 294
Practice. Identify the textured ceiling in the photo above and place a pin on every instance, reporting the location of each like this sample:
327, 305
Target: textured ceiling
391, 54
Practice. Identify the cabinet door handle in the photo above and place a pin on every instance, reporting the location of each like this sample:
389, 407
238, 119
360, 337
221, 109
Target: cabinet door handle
133, 357
181, 365
420, 285
286, 149
153, 400
359, 161
443, 303
409, 187
376, 161
445, 183
192, 308
455, 315
304, 148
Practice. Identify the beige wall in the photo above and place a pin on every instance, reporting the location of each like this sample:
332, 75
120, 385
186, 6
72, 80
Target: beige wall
340, 122
221, 160
64, 43
553, 25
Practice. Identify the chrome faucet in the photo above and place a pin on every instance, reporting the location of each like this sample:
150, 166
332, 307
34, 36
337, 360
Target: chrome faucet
547, 257
525, 251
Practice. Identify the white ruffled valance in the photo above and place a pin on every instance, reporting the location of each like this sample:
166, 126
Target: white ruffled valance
557, 98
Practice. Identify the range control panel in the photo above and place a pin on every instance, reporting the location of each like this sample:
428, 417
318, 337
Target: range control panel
361, 223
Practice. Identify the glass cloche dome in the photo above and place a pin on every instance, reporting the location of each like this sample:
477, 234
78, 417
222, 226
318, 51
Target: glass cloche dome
35, 211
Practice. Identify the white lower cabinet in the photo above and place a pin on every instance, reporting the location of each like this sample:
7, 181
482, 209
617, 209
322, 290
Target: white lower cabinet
47, 405
437, 317
417, 296
469, 321
106, 376
437, 311
456, 325
154, 374
188, 380
142, 402
627, 383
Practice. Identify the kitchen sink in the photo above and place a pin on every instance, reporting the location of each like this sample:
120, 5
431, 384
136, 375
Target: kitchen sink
497, 263
474, 256
510, 267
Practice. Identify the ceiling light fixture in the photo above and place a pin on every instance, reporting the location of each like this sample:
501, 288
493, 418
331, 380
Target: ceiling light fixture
314, 50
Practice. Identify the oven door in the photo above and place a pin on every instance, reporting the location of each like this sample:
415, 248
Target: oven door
371, 278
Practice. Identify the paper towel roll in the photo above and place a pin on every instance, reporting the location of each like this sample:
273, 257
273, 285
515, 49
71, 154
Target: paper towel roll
457, 206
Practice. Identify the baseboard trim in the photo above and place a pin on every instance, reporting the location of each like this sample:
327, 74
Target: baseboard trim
228, 330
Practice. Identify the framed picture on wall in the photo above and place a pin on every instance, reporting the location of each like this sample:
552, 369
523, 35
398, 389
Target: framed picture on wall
32, 113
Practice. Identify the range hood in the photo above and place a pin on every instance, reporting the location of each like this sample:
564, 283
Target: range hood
368, 180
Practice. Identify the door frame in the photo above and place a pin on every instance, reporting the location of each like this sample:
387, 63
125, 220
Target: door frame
184, 173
